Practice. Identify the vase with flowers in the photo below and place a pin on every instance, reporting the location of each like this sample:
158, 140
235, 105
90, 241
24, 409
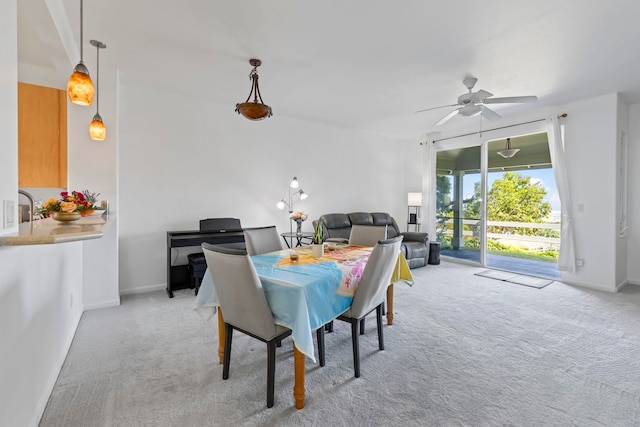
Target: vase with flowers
298, 217
71, 206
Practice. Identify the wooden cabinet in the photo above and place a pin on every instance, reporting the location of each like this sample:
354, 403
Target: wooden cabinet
42, 136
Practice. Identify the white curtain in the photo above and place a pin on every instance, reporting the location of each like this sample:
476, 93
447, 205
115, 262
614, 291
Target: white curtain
429, 188
567, 257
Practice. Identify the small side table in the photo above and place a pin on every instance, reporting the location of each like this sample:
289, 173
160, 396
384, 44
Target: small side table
297, 238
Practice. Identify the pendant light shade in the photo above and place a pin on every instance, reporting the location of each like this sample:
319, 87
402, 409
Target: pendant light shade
97, 129
508, 152
254, 110
80, 86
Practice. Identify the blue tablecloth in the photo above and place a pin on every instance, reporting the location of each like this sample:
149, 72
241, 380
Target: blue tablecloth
302, 296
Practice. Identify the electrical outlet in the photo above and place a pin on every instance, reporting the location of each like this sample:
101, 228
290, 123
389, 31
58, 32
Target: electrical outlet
579, 262
9, 215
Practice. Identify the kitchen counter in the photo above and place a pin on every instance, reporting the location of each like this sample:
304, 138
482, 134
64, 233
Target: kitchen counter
47, 231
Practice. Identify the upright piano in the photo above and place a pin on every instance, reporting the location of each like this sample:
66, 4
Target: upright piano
180, 244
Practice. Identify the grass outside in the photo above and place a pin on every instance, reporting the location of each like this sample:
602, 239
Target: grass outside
496, 248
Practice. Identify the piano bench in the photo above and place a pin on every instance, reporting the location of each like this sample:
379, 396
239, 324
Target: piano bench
197, 268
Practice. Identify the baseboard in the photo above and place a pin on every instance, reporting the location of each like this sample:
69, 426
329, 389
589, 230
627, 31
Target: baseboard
144, 289
105, 304
51, 383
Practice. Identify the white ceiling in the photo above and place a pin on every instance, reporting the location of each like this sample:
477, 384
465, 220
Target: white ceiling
361, 64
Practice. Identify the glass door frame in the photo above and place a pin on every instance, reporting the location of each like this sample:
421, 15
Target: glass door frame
481, 139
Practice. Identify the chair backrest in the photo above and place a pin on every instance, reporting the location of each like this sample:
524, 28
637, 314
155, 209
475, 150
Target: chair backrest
260, 240
367, 235
239, 291
376, 277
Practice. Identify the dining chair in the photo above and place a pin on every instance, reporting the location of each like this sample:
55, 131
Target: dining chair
244, 305
367, 235
371, 291
260, 240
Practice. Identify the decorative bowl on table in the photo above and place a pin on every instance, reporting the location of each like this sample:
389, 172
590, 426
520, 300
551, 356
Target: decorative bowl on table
66, 217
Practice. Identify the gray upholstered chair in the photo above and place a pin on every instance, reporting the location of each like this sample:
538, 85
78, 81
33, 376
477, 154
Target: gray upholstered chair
371, 292
260, 240
367, 235
244, 305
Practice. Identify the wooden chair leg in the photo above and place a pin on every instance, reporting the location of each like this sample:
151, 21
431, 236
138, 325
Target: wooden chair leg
271, 372
380, 333
356, 347
320, 334
227, 350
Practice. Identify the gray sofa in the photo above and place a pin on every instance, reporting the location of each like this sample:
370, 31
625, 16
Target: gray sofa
415, 245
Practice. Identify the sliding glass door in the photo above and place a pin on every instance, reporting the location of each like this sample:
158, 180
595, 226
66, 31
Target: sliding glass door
497, 203
459, 203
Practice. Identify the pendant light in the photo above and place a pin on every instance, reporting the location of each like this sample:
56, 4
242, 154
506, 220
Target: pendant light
254, 110
508, 152
97, 130
80, 86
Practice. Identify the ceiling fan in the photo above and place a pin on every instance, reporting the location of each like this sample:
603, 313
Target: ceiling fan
474, 103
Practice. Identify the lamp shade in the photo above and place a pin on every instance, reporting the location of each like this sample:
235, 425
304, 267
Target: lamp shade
507, 154
80, 87
414, 199
97, 129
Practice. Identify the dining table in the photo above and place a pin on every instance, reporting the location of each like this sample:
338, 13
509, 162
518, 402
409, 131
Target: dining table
304, 293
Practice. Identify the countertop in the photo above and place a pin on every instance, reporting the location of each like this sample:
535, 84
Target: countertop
47, 231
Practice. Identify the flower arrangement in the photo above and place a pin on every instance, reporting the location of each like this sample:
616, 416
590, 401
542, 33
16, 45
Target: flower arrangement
298, 216
76, 201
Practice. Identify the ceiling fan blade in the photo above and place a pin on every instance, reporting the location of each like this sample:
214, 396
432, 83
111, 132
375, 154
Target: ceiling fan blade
447, 117
489, 114
510, 99
435, 108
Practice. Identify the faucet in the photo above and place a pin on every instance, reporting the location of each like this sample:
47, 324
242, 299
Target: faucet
31, 203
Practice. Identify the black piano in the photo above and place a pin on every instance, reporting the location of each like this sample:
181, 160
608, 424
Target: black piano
180, 244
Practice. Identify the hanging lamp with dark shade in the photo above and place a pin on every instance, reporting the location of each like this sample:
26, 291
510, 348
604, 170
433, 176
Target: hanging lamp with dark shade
254, 110
97, 129
80, 87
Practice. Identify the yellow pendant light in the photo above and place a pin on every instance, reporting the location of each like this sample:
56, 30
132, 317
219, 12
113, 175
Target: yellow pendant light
80, 86
97, 129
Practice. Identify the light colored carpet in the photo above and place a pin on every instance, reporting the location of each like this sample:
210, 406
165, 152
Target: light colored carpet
518, 279
464, 351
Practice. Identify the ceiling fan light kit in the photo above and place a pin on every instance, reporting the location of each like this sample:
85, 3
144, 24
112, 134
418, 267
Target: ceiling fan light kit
472, 104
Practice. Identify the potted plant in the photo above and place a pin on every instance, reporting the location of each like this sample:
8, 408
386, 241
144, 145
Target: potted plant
317, 248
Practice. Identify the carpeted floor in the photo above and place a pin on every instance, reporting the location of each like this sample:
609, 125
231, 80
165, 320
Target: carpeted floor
464, 351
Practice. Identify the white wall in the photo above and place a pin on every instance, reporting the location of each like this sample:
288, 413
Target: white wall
40, 307
184, 159
590, 147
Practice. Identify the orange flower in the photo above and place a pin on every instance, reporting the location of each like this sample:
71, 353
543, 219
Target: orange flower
67, 206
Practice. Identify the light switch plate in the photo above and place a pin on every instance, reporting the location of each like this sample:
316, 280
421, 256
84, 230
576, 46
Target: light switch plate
9, 215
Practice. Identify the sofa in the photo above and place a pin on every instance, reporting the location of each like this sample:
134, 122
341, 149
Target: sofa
337, 227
